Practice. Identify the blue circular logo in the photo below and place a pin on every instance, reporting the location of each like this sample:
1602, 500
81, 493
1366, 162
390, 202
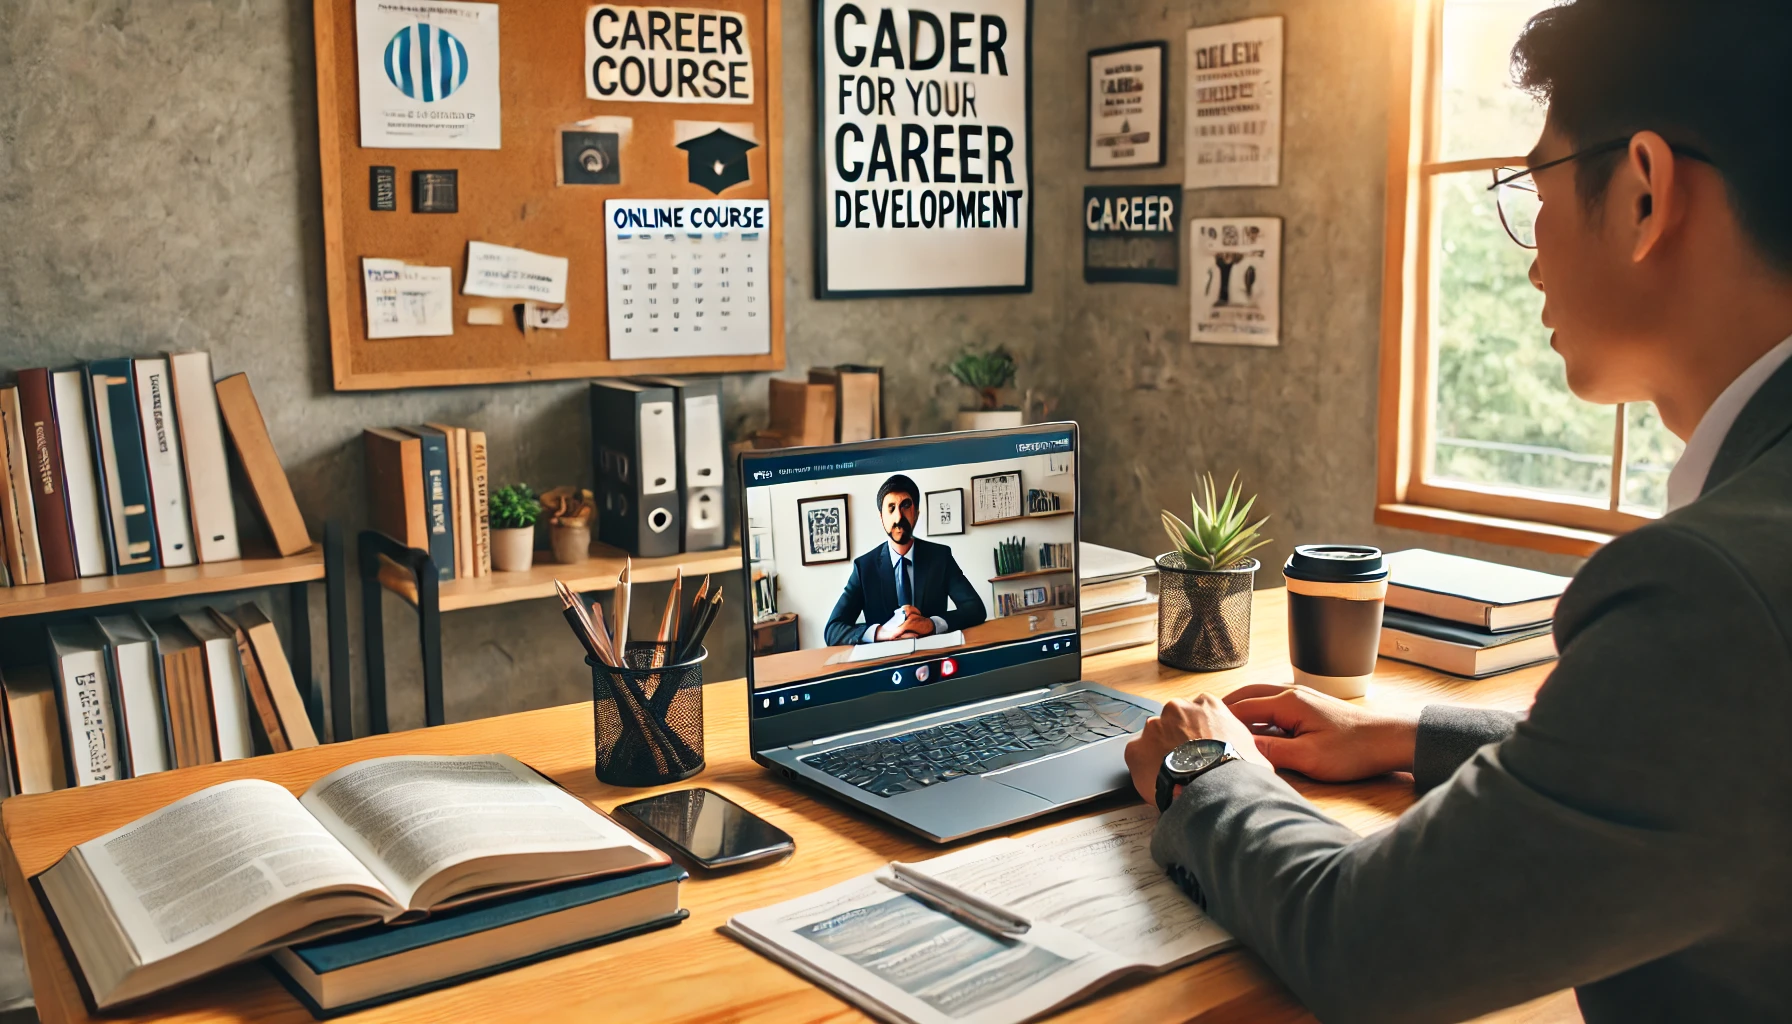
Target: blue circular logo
426, 63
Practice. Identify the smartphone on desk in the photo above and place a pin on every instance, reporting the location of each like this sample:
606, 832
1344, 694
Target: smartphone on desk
706, 828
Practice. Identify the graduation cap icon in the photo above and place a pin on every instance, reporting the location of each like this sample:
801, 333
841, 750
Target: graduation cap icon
717, 160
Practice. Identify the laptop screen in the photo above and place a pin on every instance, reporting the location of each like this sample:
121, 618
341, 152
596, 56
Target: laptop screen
916, 564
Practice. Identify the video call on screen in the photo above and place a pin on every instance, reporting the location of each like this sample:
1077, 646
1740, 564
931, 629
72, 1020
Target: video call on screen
908, 566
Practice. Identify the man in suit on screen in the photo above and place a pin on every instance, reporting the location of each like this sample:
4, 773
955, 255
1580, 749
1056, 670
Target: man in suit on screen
901, 587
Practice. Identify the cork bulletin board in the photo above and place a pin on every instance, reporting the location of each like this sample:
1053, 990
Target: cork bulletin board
513, 196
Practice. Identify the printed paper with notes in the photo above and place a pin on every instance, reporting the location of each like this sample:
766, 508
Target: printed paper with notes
1095, 905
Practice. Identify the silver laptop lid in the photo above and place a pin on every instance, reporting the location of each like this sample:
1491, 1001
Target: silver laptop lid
985, 526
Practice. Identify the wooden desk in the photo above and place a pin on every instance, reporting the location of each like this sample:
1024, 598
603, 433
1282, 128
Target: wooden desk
817, 662
691, 973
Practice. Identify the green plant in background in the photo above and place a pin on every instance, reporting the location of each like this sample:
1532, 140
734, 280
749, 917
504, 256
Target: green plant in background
514, 508
985, 371
1219, 537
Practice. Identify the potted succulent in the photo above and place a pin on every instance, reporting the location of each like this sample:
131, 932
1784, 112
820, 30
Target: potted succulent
988, 372
1205, 584
514, 512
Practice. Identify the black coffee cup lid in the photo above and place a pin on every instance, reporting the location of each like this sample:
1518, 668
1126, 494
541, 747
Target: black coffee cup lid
1336, 563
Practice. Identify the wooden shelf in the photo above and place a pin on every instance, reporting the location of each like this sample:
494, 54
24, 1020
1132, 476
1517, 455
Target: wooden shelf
1029, 574
160, 584
1048, 515
597, 574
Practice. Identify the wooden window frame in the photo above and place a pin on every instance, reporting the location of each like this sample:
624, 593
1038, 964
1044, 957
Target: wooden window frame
1404, 497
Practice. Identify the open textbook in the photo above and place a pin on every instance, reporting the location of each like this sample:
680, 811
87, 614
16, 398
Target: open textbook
1077, 906
238, 869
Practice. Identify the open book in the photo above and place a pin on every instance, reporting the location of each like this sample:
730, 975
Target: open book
242, 868
1084, 902
895, 648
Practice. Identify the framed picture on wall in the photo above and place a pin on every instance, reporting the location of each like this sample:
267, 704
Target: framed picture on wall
1127, 108
1033, 597
945, 512
995, 497
823, 527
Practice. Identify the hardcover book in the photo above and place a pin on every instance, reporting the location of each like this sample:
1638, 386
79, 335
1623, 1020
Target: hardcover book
1484, 594
202, 449
86, 515
43, 447
126, 473
438, 507
162, 453
25, 558
260, 463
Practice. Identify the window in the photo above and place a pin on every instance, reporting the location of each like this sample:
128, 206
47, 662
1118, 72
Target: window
1480, 434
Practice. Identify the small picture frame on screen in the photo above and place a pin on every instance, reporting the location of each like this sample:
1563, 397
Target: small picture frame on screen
823, 526
995, 497
945, 512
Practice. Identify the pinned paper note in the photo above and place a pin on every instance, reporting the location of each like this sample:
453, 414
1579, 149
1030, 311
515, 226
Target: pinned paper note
500, 272
404, 301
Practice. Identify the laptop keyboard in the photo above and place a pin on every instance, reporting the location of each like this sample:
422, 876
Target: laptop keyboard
972, 746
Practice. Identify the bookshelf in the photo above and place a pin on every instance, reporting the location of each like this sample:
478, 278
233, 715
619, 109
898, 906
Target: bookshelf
321, 563
389, 567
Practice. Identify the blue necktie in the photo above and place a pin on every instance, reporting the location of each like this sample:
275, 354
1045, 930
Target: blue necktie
903, 592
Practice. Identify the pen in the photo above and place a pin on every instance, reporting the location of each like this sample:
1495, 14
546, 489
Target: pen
960, 906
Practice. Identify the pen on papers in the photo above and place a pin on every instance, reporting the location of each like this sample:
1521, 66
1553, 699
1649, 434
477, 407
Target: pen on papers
984, 917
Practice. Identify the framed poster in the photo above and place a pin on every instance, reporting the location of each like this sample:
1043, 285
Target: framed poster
1234, 104
1127, 105
824, 530
1033, 597
1236, 266
1129, 233
995, 497
924, 148
945, 512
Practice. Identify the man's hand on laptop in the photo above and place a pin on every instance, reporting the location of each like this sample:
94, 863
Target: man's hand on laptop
1322, 737
1204, 718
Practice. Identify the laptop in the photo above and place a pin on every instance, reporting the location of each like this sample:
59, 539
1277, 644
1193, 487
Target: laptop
915, 647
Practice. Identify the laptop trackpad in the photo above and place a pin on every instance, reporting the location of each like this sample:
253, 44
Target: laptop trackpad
1086, 773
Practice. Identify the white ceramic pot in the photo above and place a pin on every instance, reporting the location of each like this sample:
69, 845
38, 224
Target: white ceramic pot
513, 550
988, 419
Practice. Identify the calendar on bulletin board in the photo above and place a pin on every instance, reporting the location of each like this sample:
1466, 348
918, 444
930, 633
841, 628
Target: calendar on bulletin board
549, 190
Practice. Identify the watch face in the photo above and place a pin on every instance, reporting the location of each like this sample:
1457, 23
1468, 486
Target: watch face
1194, 756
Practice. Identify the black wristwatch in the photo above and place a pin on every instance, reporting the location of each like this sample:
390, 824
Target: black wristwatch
1187, 763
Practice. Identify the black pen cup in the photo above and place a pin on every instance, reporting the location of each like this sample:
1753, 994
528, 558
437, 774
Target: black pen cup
648, 721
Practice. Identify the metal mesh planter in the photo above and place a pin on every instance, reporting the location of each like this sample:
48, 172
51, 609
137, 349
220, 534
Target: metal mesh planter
1203, 615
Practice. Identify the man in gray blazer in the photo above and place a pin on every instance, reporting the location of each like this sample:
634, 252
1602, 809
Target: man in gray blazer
1632, 835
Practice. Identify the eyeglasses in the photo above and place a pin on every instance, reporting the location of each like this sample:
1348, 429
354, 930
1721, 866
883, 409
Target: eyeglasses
1515, 190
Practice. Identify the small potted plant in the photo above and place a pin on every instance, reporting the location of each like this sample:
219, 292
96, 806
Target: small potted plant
1204, 602
988, 372
514, 513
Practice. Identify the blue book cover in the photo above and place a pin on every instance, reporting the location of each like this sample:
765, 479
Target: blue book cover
123, 466
376, 942
437, 507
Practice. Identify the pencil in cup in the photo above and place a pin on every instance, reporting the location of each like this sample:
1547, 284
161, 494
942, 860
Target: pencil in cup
647, 720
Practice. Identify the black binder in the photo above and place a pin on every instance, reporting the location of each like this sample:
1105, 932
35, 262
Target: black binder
634, 443
702, 459
123, 470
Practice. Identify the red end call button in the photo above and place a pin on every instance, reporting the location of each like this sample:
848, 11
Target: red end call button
948, 667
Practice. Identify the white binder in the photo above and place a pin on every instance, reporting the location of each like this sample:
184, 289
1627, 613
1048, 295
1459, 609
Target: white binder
161, 449
202, 444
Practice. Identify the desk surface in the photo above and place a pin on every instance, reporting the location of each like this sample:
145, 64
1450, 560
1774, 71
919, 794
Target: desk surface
815, 662
691, 973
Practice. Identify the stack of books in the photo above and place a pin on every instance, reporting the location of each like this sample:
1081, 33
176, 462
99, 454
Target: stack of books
119, 466
429, 488
1117, 606
1468, 617
836, 404
123, 697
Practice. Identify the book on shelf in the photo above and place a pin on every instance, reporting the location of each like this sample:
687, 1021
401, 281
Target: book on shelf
801, 413
86, 516
137, 693
382, 840
186, 692
269, 488
355, 970
84, 698
1082, 906
437, 506
1463, 650
124, 473
460, 508
43, 447
261, 698
33, 730
162, 454
479, 459
25, 558
858, 399
276, 672
395, 486
1483, 594
209, 498
224, 684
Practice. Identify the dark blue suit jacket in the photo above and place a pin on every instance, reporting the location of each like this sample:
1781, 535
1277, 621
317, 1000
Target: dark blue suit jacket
871, 592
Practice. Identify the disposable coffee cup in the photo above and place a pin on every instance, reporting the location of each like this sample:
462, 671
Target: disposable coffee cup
1335, 597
